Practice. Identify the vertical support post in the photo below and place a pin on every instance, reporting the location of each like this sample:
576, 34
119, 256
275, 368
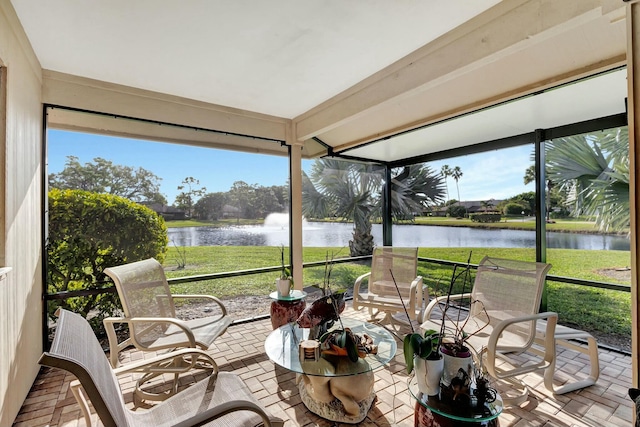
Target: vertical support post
387, 219
633, 113
295, 206
44, 228
3, 164
541, 206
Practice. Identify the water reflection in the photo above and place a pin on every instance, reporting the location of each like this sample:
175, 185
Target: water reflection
320, 234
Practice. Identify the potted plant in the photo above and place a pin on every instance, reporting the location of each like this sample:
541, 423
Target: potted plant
284, 284
422, 355
455, 350
344, 342
321, 314
457, 353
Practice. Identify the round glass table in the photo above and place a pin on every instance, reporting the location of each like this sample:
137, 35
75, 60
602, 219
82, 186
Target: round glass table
431, 411
327, 386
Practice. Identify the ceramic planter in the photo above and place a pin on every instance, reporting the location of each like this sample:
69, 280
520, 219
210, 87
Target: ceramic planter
283, 286
452, 364
428, 374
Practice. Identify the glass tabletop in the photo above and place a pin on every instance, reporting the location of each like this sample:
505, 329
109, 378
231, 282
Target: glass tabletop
293, 296
484, 412
281, 347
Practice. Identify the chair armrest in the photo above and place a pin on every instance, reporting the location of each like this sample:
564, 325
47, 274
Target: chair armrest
415, 299
170, 320
549, 354
146, 365
415, 285
114, 347
358, 282
207, 297
422, 296
442, 299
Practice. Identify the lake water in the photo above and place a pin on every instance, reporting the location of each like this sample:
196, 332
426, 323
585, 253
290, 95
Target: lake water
322, 234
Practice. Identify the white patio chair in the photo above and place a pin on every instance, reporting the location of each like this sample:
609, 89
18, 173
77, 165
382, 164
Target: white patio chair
504, 309
382, 294
221, 399
150, 313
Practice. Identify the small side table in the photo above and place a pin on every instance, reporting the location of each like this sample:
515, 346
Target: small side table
286, 308
432, 412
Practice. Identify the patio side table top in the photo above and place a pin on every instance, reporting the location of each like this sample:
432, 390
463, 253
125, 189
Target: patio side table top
293, 296
487, 412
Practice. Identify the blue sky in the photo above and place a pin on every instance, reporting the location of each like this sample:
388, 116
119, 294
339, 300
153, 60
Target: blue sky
217, 170
495, 174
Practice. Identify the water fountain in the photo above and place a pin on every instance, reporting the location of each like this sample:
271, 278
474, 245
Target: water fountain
276, 220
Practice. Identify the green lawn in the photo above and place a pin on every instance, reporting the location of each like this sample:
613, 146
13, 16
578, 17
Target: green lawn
593, 309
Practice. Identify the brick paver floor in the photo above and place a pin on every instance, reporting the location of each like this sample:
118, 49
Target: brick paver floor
50, 402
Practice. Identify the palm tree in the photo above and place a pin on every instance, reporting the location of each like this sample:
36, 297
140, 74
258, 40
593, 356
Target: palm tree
594, 170
445, 170
530, 176
413, 188
352, 191
456, 174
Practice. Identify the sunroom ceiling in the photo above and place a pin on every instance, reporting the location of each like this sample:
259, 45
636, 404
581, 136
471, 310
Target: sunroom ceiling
345, 73
276, 57
591, 98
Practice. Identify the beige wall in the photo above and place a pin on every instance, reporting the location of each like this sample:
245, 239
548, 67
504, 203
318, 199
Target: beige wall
20, 207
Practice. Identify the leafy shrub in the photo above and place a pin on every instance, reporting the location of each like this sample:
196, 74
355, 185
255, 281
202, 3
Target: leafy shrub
457, 211
560, 212
513, 208
89, 232
485, 217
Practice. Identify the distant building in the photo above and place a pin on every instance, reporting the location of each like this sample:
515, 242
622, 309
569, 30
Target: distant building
229, 211
167, 212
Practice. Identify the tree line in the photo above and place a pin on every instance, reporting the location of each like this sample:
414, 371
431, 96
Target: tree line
143, 186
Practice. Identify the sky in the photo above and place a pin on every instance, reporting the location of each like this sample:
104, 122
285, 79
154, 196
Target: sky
497, 174
216, 170
492, 175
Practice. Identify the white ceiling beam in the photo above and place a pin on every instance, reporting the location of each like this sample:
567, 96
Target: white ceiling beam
510, 26
61, 118
91, 95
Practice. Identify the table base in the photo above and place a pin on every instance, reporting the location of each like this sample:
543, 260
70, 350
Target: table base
283, 312
321, 402
424, 417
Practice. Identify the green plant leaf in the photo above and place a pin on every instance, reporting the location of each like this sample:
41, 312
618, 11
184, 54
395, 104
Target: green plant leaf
341, 339
416, 342
352, 348
408, 353
324, 336
426, 348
